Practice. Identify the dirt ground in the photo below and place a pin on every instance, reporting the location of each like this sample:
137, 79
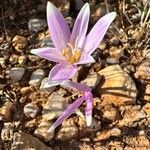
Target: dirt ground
119, 78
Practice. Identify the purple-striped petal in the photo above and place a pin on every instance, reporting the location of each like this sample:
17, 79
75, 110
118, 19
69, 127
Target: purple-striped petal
89, 107
59, 30
51, 54
97, 33
86, 59
71, 109
80, 26
75, 86
62, 72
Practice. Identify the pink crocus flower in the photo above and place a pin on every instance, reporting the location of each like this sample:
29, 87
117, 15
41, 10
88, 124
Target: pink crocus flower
71, 50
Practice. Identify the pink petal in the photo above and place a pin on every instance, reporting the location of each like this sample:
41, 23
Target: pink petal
89, 107
76, 86
59, 30
71, 109
51, 54
97, 33
86, 59
80, 26
62, 72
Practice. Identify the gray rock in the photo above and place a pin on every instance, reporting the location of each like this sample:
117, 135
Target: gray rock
47, 42
31, 110
24, 141
92, 80
46, 88
36, 25
42, 131
16, 73
37, 77
55, 105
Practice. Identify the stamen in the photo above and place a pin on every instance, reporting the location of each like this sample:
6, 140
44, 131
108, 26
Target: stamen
71, 54
65, 51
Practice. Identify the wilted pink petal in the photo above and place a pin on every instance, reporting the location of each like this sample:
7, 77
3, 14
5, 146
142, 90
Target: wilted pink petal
70, 109
89, 107
97, 33
51, 54
80, 26
59, 30
62, 72
75, 86
86, 59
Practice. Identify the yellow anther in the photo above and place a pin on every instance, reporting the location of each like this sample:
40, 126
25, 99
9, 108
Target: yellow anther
71, 55
65, 51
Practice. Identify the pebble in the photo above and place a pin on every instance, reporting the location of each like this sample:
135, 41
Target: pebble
147, 93
46, 88
100, 10
146, 109
31, 124
6, 110
25, 90
138, 142
22, 59
31, 110
7, 131
142, 72
19, 42
115, 52
13, 58
37, 77
95, 125
106, 134
46, 42
111, 113
36, 25
114, 41
112, 61
2, 61
16, 73
42, 131
131, 115
25, 141
67, 131
92, 80
102, 46
55, 105
116, 86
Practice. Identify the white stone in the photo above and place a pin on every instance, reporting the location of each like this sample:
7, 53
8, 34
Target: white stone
37, 77
16, 73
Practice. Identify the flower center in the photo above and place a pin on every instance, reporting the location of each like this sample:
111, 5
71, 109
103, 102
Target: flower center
71, 54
